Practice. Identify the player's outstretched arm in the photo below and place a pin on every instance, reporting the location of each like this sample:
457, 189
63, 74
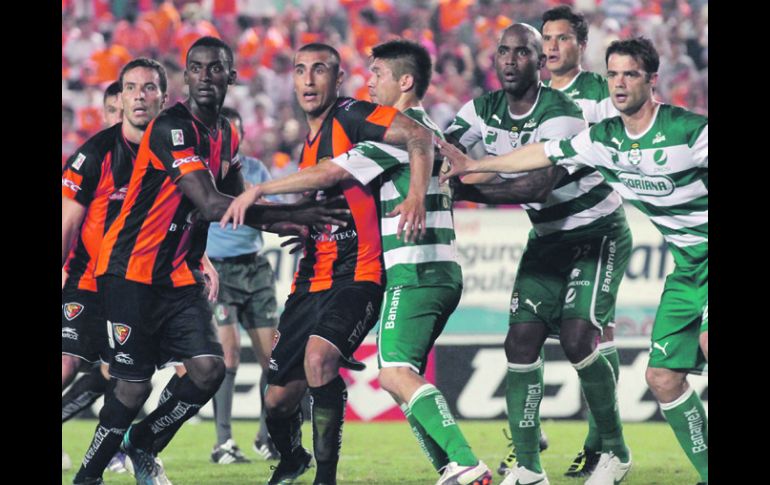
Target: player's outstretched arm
535, 186
524, 159
419, 145
319, 176
199, 187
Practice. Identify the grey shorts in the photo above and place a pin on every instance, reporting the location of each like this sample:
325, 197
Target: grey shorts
246, 292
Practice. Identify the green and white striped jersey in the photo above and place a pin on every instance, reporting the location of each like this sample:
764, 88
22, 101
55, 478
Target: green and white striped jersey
663, 172
433, 259
582, 202
589, 90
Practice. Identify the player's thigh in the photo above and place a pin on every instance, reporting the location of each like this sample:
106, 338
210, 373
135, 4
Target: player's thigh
297, 321
187, 331
537, 290
347, 314
411, 320
83, 326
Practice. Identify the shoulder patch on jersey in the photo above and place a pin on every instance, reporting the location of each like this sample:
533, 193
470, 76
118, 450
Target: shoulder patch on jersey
177, 137
78, 161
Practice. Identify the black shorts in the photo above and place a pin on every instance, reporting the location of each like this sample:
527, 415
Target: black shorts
342, 315
153, 326
83, 326
246, 292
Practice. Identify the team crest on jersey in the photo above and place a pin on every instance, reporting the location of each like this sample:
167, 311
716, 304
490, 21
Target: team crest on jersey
121, 332
276, 338
72, 310
78, 161
515, 303
514, 136
635, 154
177, 137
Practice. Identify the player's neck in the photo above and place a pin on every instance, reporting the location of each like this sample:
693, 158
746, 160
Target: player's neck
520, 104
561, 81
315, 122
132, 133
407, 101
639, 122
208, 115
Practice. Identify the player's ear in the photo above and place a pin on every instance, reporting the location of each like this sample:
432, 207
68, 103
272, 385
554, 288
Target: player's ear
541, 60
406, 82
232, 76
340, 77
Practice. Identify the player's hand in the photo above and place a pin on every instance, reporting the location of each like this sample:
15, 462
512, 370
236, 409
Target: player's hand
459, 163
328, 211
237, 210
412, 221
212, 278
64, 277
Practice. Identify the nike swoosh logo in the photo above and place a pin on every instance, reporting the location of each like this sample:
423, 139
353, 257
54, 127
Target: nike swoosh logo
529, 483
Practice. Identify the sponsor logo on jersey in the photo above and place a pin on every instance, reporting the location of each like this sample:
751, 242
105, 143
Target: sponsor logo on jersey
571, 294
491, 137
124, 358
575, 273
72, 310
181, 161
573, 93
530, 124
119, 194
659, 137
78, 161
346, 104
70, 185
660, 157
69, 332
635, 154
177, 137
121, 331
652, 185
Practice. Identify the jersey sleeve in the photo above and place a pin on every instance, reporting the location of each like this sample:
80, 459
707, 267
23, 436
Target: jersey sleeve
364, 121
367, 160
81, 174
560, 127
174, 144
578, 151
699, 143
466, 126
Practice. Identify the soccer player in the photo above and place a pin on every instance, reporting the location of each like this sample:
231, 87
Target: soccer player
575, 257
94, 182
147, 267
656, 156
246, 295
337, 291
565, 35
112, 109
424, 281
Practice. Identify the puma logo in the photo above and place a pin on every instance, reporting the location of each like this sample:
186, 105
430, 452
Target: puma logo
495, 117
656, 345
617, 142
534, 306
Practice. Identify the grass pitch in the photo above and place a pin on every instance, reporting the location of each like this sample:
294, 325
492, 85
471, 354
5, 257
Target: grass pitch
388, 454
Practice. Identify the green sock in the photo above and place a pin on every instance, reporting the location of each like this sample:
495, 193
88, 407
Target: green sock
593, 441
522, 396
430, 409
687, 418
598, 384
432, 450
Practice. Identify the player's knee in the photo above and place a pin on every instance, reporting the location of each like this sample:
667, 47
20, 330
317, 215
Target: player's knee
576, 350
132, 394
277, 403
321, 365
232, 356
206, 373
391, 377
665, 384
518, 351
70, 363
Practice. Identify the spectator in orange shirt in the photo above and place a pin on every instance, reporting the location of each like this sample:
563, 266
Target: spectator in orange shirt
105, 64
452, 13
136, 35
194, 26
165, 20
70, 140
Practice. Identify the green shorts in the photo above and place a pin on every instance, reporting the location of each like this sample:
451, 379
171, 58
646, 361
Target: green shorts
678, 322
246, 292
411, 320
576, 279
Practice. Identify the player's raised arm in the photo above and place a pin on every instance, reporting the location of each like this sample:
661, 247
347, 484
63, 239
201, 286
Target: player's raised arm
529, 157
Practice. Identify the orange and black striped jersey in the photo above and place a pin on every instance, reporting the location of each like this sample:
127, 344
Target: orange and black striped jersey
157, 239
96, 176
352, 253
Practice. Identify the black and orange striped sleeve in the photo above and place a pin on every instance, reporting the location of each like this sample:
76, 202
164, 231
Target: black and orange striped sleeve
80, 176
362, 120
174, 143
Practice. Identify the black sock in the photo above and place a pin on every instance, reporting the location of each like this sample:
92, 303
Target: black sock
82, 393
162, 441
114, 419
159, 427
286, 433
327, 407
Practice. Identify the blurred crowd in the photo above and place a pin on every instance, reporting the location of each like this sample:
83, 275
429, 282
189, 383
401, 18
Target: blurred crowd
100, 36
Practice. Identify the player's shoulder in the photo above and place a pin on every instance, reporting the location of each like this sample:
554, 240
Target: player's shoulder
555, 103
346, 107
174, 126
96, 148
676, 116
607, 129
489, 103
176, 116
